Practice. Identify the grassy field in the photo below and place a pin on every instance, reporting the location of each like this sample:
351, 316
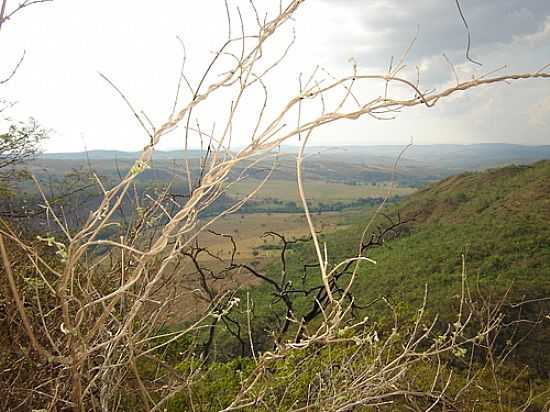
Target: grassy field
316, 191
248, 231
252, 248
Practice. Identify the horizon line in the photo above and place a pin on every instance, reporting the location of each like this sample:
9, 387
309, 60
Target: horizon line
309, 147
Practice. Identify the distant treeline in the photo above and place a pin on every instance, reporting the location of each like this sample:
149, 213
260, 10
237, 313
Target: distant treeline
292, 207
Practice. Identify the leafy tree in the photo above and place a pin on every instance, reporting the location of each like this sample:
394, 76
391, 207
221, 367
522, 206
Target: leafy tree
22, 139
20, 142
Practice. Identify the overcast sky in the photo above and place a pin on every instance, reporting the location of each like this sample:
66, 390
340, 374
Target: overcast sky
133, 42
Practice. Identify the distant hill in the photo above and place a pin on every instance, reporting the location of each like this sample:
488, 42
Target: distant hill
346, 164
441, 156
473, 156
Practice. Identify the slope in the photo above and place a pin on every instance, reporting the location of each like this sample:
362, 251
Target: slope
499, 220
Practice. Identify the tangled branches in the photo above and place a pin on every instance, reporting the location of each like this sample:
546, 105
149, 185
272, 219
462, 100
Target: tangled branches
104, 299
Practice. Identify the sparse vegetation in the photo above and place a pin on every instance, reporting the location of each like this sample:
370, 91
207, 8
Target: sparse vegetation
157, 294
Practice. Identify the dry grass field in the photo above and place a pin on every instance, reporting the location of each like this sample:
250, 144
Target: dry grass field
248, 230
316, 191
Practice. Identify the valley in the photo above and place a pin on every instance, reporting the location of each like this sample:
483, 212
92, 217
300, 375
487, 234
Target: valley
478, 240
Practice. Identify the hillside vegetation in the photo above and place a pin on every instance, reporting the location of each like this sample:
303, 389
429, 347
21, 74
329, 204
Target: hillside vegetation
499, 221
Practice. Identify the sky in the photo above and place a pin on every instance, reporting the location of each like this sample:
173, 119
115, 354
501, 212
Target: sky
134, 43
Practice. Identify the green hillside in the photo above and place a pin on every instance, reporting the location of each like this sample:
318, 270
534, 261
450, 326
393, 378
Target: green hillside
498, 219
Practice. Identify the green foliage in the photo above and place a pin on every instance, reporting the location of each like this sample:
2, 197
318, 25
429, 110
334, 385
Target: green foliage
297, 378
138, 167
20, 143
60, 248
216, 387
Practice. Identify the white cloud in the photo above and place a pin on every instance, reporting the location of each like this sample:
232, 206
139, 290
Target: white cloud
539, 114
134, 43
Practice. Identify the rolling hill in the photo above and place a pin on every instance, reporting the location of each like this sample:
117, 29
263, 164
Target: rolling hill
498, 219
